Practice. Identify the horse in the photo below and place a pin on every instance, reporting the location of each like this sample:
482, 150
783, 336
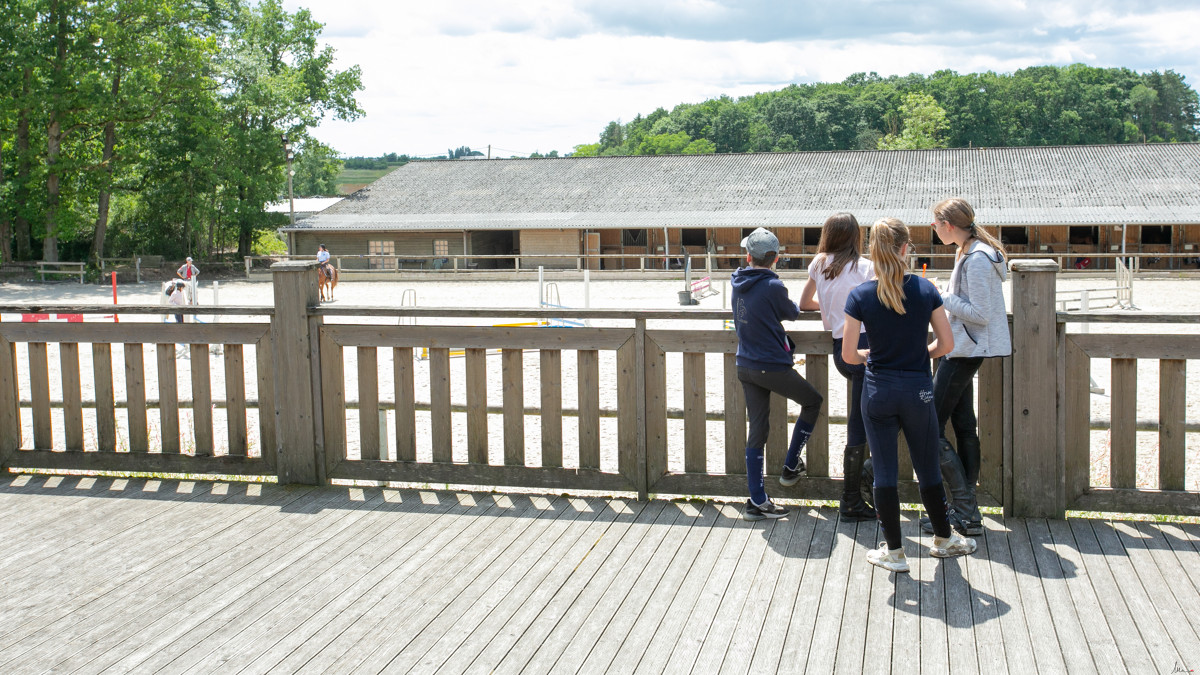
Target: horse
326, 284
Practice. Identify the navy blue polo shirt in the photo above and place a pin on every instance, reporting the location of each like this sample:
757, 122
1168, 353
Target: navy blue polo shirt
898, 341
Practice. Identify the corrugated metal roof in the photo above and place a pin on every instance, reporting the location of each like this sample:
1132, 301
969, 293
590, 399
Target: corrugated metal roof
1095, 185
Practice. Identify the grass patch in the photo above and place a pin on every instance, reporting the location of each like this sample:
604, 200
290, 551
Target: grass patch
357, 177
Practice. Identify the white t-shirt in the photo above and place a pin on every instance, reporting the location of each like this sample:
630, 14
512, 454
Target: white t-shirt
322, 256
832, 293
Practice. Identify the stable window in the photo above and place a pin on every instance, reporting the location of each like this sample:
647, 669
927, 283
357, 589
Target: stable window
1016, 236
694, 236
380, 248
1082, 235
1156, 234
812, 236
633, 237
441, 247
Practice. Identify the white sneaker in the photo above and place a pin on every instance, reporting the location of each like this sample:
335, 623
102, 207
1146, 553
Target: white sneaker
892, 561
951, 546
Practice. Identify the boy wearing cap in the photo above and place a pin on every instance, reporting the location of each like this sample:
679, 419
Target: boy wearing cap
764, 365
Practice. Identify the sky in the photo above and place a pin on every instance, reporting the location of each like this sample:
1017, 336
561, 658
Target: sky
541, 75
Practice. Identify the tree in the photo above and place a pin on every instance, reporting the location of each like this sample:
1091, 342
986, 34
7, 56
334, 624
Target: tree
276, 84
924, 125
153, 54
664, 144
731, 129
613, 136
165, 117
317, 168
587, 150
700, 146
463, 151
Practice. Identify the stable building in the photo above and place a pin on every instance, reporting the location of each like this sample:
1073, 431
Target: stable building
1075, 203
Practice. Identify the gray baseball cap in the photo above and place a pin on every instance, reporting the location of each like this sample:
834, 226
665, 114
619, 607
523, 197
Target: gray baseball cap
761, 242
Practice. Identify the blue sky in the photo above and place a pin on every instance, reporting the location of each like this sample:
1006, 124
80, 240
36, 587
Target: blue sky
541, 75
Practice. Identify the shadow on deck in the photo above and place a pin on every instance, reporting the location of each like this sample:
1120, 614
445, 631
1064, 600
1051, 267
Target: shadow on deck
103, 574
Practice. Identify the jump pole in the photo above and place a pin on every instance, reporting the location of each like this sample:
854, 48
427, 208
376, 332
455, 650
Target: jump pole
114, 287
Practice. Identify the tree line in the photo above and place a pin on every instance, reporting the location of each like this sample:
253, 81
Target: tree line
158, 126
1043, 105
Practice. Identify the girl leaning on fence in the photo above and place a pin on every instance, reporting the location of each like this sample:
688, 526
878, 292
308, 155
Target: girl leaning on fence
838, 269
898, 310
974, 301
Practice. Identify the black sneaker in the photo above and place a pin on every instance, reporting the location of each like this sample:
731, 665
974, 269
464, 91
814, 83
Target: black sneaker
789, 477
967, 528
970, 528
768, 510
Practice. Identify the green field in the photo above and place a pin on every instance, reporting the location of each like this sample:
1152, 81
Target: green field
359, 177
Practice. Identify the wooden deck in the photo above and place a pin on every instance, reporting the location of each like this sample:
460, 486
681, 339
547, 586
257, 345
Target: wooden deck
111, 575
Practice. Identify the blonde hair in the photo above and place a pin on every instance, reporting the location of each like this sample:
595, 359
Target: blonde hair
959, 213
888, 236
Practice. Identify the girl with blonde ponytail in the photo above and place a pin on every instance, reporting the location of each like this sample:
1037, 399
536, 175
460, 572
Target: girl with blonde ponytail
888, 236
898, 310
974, 301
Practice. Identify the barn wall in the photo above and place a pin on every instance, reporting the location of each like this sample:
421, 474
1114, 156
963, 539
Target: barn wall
796, 253
729, 246
550, 242
412, 249
1052, 237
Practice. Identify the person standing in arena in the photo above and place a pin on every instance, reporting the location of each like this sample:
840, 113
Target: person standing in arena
187, 271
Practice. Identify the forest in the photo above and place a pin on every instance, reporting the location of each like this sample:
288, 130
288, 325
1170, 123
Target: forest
165, 127
159, 126
1043, 105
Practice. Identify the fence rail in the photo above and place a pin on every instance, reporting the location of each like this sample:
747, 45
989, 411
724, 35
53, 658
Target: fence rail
707, 262
640, 404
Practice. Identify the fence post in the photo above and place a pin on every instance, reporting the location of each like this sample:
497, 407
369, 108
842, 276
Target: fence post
10, 413
298, 456
1038, 475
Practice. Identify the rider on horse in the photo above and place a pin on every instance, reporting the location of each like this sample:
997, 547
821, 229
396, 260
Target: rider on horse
323, 260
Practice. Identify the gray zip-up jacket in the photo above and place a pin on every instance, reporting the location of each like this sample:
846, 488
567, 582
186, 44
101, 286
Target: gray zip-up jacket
975, 304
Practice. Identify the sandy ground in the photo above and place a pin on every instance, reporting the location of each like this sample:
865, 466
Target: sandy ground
1158, 294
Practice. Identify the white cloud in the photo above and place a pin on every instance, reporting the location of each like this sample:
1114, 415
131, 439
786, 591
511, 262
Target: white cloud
546, 75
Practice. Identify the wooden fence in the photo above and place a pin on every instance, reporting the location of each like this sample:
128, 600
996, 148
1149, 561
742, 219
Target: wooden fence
656, 435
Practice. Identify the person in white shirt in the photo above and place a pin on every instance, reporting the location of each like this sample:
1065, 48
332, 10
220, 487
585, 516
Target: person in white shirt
838, 269
323, 260
177, 298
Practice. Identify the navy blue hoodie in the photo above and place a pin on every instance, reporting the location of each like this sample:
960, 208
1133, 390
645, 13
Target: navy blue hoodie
760, 304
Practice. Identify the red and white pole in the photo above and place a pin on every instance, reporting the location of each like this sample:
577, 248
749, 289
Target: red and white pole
114, 285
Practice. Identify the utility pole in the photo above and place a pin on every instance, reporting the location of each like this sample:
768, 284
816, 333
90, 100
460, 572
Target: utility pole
287, 149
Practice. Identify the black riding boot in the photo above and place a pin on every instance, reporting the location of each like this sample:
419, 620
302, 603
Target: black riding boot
853, 507
968, 507
866, 482
959, 493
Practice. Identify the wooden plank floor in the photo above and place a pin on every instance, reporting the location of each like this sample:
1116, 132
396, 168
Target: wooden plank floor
114, 576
